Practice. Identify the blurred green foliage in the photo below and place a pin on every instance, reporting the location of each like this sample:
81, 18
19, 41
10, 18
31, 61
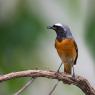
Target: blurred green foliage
90, 27
18, 36
72, 7
90, 35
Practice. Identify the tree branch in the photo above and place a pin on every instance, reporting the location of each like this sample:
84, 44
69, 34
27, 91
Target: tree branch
79, 81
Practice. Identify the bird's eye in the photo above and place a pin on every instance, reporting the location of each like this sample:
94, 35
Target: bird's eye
54, 26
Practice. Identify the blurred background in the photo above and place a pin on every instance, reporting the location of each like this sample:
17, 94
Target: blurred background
25, 43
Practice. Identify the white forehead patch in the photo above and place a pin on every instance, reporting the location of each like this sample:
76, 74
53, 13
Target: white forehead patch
58, 24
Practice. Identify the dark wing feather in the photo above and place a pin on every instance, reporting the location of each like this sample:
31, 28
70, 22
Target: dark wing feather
76, 53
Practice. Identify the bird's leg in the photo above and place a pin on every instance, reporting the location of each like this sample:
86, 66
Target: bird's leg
73, 72
59, 67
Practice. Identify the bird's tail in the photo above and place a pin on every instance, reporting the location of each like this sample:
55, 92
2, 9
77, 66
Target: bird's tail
67, 68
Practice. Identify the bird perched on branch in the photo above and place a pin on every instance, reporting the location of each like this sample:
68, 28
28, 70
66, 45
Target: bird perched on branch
66, 47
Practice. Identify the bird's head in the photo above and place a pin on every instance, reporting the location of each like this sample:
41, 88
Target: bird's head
61, 30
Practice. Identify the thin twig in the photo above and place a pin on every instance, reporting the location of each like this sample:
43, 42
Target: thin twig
25, 87
59, 67
54, 87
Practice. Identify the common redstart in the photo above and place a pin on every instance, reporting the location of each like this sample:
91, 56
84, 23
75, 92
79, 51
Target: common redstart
66, 47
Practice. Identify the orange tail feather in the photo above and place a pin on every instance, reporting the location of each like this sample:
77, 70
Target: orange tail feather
67, 68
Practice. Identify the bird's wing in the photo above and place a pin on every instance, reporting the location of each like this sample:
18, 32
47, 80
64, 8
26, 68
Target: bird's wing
76, 52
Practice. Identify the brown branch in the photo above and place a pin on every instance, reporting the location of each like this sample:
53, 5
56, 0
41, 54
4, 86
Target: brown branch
79, 81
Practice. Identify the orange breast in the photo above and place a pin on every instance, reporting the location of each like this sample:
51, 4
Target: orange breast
66, 50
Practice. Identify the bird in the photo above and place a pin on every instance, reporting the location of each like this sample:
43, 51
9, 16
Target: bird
66, 47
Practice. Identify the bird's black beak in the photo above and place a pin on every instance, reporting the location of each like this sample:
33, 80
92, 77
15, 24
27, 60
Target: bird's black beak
50, 27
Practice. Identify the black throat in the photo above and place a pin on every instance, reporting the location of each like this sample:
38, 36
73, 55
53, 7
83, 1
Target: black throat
60, 35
